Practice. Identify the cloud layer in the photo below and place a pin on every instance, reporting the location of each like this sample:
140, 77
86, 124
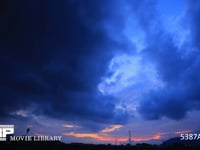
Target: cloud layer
54, 54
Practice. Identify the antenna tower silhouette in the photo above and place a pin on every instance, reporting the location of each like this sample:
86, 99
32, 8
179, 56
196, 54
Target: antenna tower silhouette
129, 137
116, 141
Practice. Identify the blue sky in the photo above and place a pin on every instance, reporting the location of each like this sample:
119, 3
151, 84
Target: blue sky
93, 70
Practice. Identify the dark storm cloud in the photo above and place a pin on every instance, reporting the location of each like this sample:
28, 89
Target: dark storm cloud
53, 55
178, 68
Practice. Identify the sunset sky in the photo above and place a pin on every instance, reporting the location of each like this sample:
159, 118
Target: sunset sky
93, 70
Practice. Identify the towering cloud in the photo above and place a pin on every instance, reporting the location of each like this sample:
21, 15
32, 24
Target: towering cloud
54, 54
178, 68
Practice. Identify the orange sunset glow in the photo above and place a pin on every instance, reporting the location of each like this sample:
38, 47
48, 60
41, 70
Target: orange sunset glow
108, 138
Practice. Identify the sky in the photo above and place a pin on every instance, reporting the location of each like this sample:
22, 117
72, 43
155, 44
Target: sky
92, 71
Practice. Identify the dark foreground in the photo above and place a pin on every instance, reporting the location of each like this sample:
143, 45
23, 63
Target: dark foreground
77, 146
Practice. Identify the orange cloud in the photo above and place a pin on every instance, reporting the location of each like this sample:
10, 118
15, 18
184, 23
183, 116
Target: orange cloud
111, 129
139, 139
183, 131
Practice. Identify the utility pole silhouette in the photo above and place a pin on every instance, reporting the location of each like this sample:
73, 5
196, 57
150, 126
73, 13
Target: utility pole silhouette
116, 141
129, 137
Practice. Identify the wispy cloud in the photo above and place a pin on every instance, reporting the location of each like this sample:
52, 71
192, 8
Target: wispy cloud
183, 131
111, 129
70, 126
